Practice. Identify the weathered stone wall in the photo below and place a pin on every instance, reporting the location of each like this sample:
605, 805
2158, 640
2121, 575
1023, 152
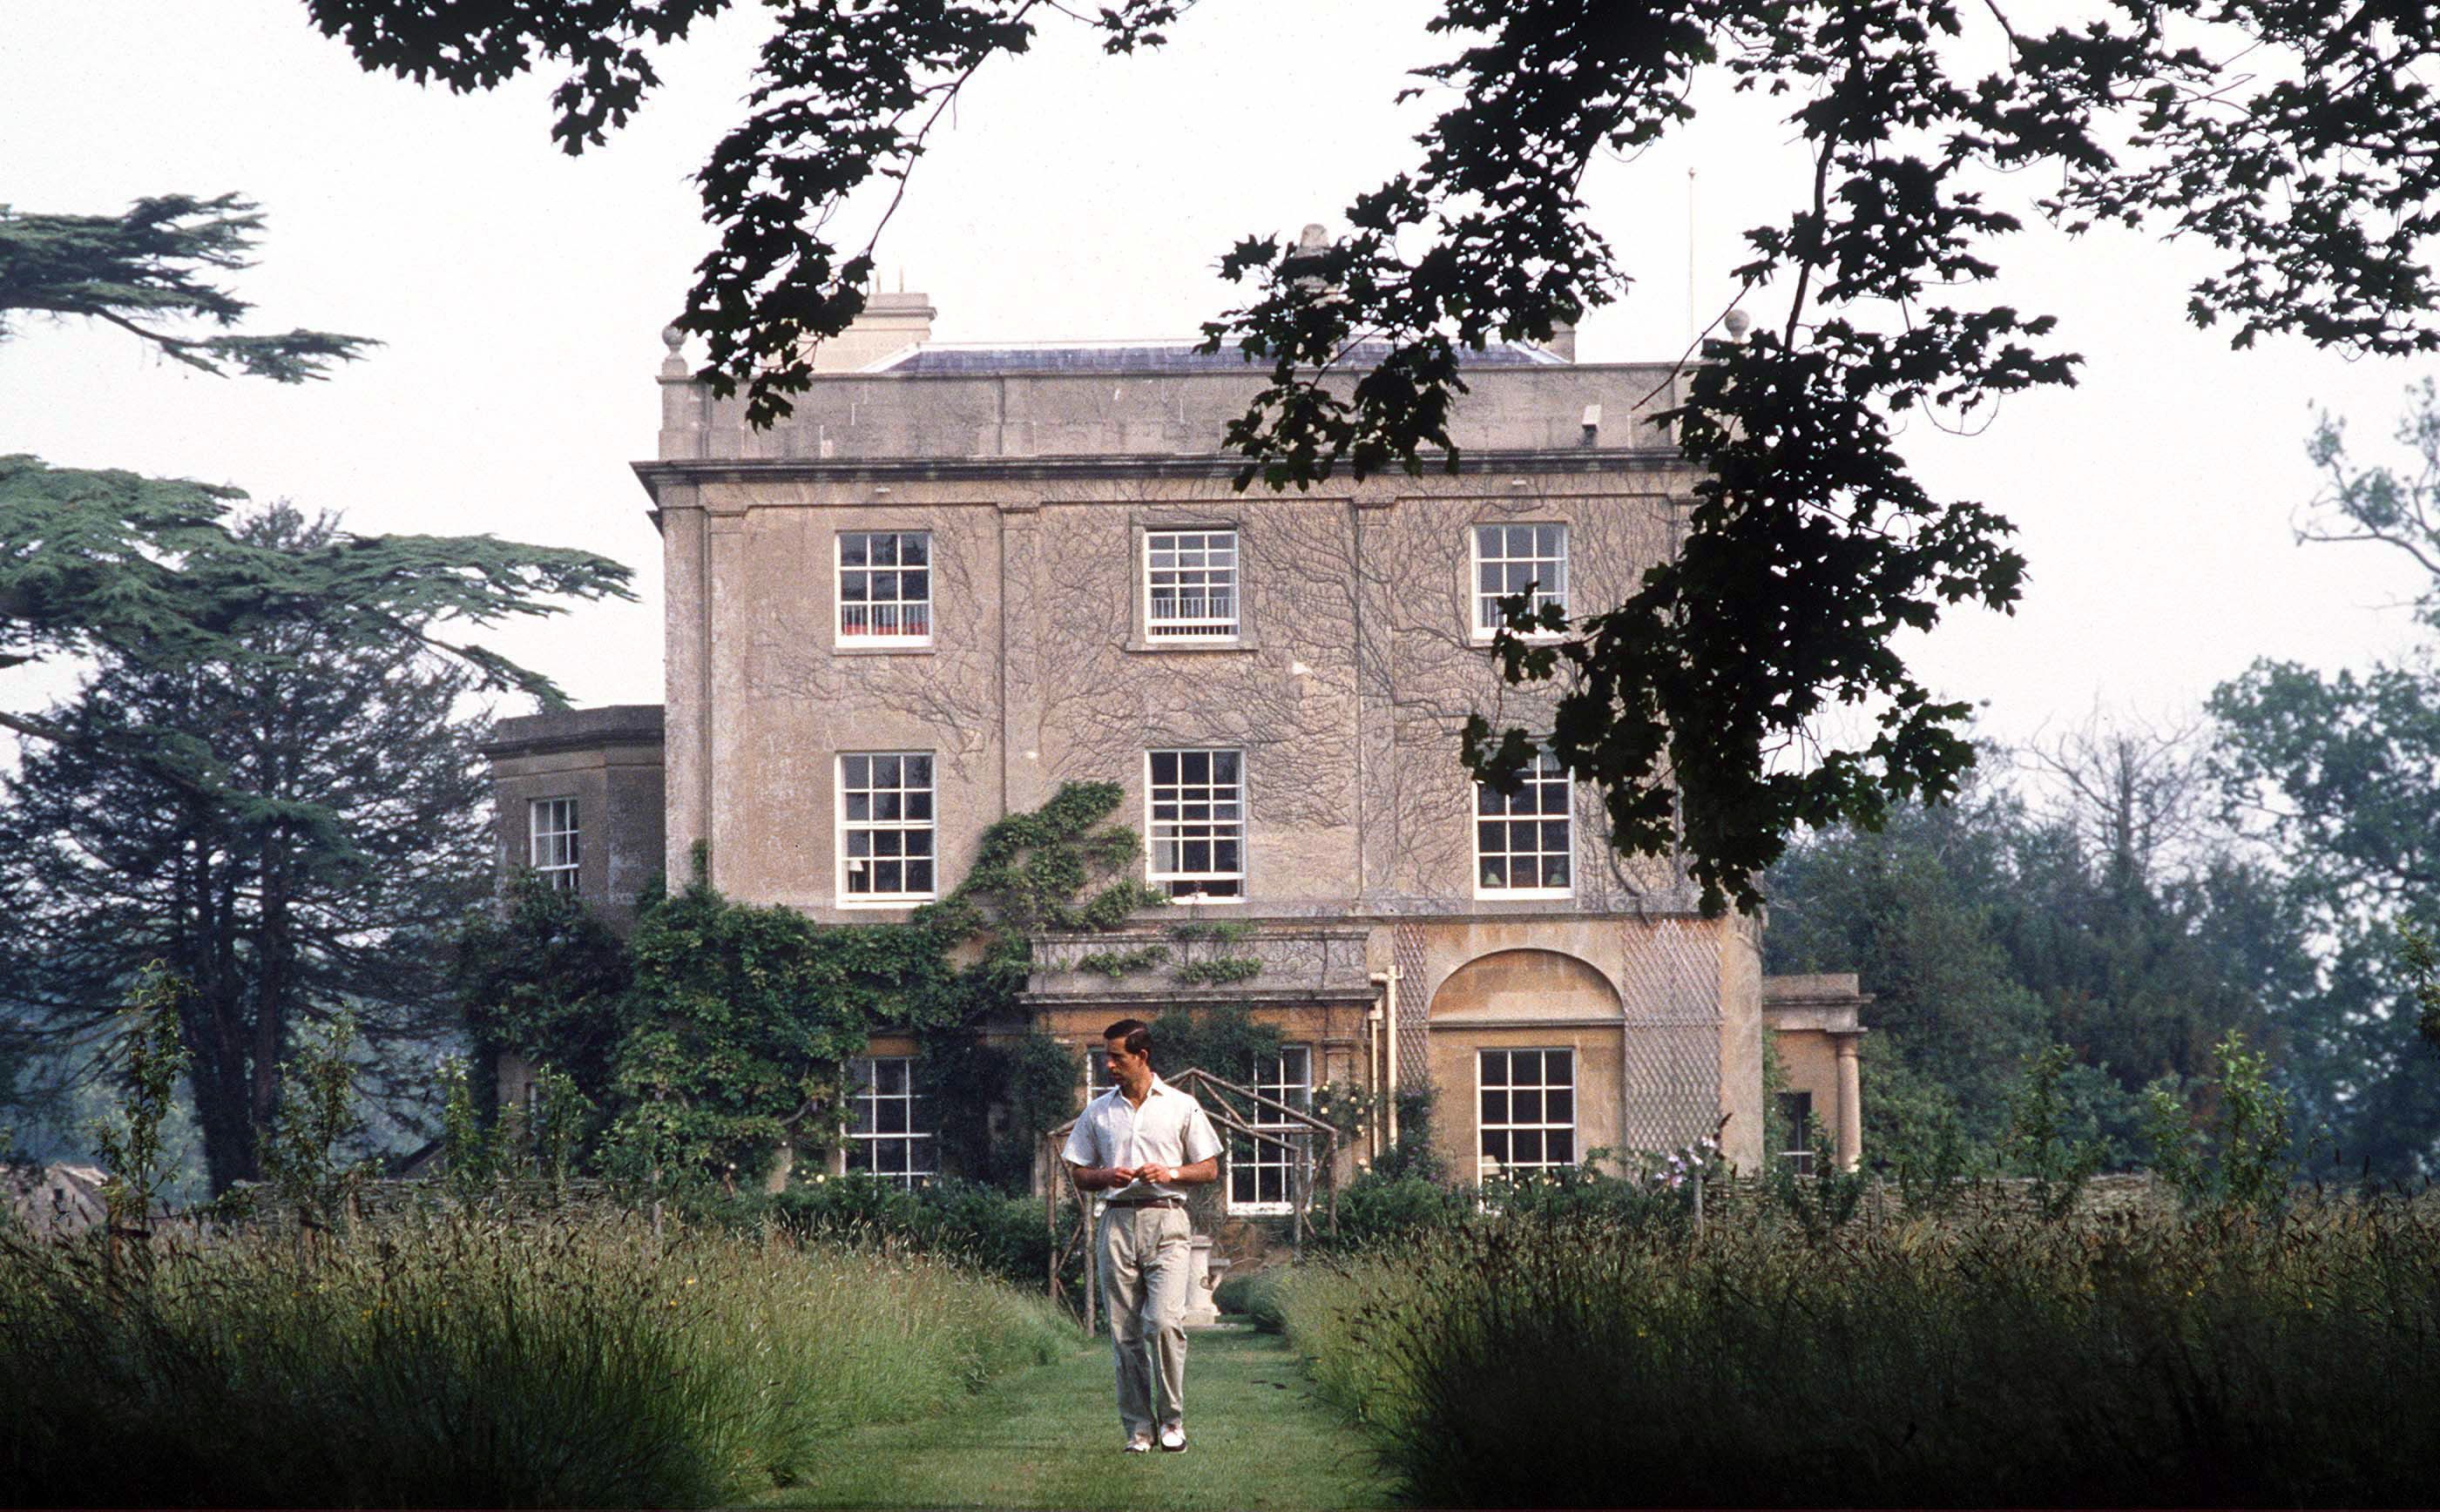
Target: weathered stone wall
610, 761
1355, 666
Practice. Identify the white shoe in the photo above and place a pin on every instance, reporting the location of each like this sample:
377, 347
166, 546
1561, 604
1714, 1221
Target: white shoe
1172, 1440
1139, 1445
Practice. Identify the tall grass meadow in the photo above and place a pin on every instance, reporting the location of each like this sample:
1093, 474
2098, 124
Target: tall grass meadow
459, 1359
2237, 1356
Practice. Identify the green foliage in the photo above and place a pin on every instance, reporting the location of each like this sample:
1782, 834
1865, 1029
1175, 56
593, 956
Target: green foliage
318, 1116
717, 1035
1389, 1208
1216, 971
2239, 1155
967, 1223
149, 570
1219, 931
1823, 1199
560, 1123
150, 1058
287, 826
468, 1151
153, 265
995, 1099
2422, 960
2338, 774
1346, 1105
742, 1019
1984, 931
591, 1361
1914, 911
547, 980
1260, 1299
1221, 1038
2039, 1143
1413, 1153
1915, 1131
2001, 1360
1115, 964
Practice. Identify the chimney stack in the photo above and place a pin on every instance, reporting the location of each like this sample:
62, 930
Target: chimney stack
890, 322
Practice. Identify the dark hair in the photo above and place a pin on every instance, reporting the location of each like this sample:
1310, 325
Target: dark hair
1136, 1034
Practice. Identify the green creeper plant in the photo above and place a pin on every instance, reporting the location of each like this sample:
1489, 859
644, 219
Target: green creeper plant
2422, 960
317, 1115
2241, 1158
560, 1120
545, 978
2038, 1140
150, 1058
470, 1167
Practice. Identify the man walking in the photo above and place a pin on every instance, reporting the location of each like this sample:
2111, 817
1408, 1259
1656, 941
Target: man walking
1143, 1142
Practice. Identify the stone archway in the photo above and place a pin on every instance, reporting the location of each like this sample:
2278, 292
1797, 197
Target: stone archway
1525, 983
1525, 1056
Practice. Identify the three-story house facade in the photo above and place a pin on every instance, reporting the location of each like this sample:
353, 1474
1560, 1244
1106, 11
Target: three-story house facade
959, 576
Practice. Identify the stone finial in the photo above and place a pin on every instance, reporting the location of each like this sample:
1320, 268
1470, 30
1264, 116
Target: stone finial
1739, 323
675, 364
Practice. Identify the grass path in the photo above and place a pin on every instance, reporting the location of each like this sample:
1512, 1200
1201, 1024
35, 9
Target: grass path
1050, 1438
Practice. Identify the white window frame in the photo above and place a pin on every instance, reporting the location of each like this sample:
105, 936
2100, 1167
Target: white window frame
1483, 614
844, 827
1188, 630
1097, 1071
1542, 1125
1795, 1110
918, 1145
1196, 884
1540, 780
1251, 1158
840, 569
554, 862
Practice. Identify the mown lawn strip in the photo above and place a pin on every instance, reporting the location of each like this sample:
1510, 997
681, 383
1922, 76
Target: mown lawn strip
1050, 1438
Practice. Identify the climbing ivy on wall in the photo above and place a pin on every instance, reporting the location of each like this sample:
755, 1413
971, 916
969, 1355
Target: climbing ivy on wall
546, 979
726, 1041
1222, 1037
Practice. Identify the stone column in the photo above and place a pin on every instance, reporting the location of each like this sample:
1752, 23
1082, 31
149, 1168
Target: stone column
1851, 1104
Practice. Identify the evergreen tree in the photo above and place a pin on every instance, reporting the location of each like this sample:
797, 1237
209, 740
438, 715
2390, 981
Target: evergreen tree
145, 568
149, 270
293, 833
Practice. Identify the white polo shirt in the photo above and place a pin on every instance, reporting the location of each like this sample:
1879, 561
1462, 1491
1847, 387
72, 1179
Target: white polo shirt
1170, 1128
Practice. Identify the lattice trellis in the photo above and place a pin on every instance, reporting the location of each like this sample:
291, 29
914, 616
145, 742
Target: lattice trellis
1414, 1008
1672, 1041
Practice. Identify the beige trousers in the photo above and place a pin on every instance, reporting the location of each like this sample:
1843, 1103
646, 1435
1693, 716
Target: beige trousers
1146, 1256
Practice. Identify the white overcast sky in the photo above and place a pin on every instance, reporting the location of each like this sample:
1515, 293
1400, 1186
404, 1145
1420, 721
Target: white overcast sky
520, 293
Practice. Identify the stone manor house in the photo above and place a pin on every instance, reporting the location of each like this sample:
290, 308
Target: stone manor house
958, 577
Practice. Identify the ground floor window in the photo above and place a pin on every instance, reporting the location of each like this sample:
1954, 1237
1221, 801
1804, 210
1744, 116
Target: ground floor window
1796, 1114
1262, 1176
1525, 1109
891, 1136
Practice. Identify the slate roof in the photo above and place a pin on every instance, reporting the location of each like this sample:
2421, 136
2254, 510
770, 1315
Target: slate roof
1150, 357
